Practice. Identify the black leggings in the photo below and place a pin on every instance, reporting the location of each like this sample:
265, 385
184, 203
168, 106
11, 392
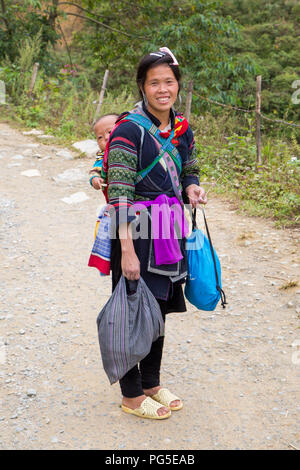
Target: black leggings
147, 373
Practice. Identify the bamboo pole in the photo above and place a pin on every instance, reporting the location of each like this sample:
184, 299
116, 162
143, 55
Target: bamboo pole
33, 78
189, 100
258, 121
101, 96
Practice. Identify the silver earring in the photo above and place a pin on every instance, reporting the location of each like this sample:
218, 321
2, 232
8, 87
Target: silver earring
145, 99
179, 99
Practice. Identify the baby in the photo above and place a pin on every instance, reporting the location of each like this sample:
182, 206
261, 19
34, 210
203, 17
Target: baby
100, 255
102, 129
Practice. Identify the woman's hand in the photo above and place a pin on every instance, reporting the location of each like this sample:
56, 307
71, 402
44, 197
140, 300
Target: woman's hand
97, 182
196, 195
130, 263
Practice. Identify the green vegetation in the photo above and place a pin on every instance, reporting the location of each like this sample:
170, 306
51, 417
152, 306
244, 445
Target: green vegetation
270, 35
229, 160
222, 47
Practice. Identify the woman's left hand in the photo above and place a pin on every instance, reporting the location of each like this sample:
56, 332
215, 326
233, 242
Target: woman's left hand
196, 195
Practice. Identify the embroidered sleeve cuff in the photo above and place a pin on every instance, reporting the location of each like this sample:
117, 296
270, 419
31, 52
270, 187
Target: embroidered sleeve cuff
121, 211
190, 179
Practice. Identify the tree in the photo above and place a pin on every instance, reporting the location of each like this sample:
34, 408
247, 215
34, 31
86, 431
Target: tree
118, 33
26, 19
270, 33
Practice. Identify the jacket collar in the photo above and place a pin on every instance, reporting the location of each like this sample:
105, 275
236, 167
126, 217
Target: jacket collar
157, 121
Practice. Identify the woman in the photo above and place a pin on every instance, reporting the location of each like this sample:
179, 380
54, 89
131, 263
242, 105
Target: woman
132, 149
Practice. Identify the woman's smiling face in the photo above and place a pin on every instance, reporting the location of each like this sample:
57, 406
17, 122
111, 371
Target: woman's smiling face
161, 89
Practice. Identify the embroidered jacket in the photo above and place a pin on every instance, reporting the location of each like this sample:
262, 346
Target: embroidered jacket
97, 167
130, 150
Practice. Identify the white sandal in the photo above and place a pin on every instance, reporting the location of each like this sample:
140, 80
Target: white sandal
148, 409
165, 397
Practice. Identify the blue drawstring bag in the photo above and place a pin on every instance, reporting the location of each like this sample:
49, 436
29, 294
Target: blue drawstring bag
203, 285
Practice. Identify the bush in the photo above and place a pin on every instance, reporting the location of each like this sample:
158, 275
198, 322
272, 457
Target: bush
64, 104
230, 161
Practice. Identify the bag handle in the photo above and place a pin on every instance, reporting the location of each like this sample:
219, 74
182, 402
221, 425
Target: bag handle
194, 226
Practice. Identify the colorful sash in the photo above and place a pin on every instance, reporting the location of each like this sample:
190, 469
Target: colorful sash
168, 151
166, 141
100, 255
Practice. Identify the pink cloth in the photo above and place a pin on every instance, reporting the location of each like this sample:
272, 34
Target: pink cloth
168, 226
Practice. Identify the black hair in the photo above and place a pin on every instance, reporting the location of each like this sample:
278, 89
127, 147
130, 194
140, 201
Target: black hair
152, 60
104, 116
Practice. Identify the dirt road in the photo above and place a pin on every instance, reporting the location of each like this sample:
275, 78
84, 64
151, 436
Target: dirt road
237, 369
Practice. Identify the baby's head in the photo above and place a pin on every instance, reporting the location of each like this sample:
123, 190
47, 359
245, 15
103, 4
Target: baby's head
102, 129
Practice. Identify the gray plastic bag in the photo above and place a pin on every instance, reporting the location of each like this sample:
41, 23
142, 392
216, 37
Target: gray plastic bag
127, 326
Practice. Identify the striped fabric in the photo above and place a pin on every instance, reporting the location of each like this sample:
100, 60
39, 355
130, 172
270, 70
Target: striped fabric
97, 167
127, 326
190, 167
121, 175
117, 354
100, 255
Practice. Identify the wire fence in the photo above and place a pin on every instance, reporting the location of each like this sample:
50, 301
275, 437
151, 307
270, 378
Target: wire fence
280, 121
254, 111
257, 113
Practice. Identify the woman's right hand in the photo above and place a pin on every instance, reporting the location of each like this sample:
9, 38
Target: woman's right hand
130, 265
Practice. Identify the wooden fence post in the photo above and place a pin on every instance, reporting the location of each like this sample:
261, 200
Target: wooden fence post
101, 96
189, 100
258, 121
33, 78
2, 92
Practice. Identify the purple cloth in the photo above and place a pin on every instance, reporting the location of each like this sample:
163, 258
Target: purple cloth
168, 225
